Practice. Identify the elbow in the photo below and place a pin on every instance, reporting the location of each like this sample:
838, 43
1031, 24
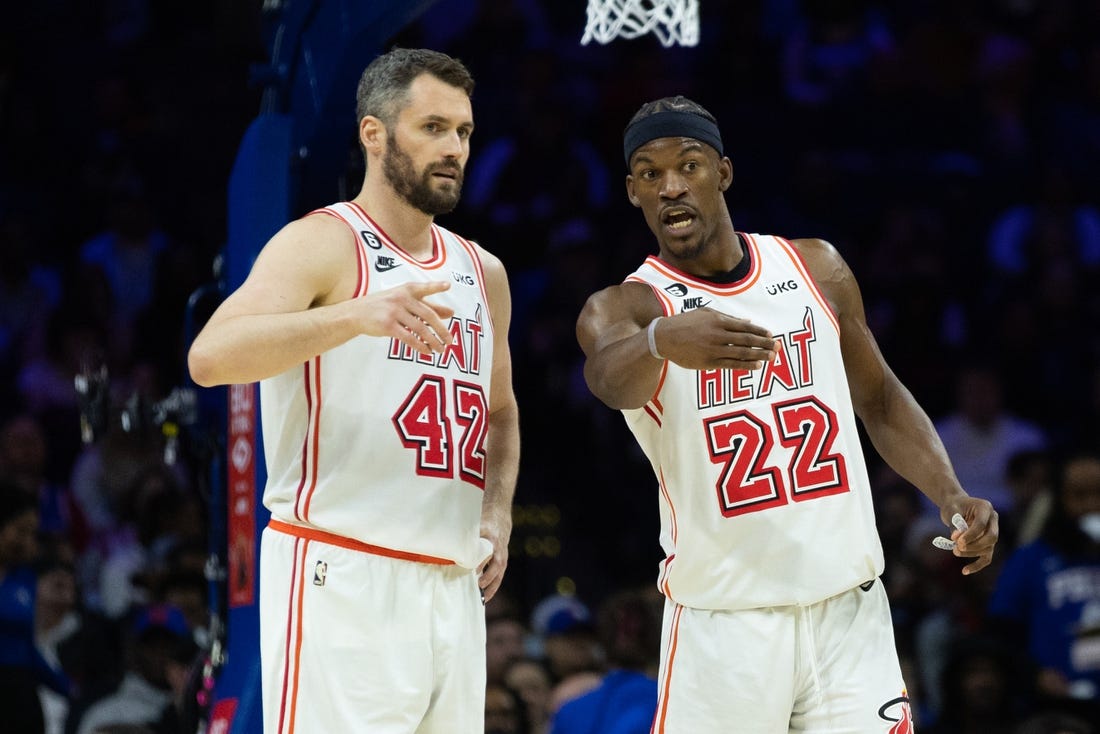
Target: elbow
617, 397
621, 384
202, 366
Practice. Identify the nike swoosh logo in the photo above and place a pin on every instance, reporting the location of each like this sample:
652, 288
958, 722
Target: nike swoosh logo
383, 268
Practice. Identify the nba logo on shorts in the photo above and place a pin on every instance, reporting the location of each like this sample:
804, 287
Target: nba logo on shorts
319, 573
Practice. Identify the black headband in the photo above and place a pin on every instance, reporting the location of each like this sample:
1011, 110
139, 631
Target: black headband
670, 124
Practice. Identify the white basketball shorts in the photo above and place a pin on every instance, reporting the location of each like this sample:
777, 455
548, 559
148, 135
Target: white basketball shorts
828, 667
354, 641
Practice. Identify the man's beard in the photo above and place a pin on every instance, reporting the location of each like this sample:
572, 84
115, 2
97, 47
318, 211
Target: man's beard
419, 190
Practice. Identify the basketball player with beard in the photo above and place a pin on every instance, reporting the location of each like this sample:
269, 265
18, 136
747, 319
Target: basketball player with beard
390, 427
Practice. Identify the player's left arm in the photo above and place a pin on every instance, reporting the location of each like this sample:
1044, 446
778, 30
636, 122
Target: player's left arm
502, 442
898, 427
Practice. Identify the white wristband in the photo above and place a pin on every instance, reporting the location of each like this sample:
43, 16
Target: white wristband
651, 339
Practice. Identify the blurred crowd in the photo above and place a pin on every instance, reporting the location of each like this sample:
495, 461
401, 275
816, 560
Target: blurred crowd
947, 148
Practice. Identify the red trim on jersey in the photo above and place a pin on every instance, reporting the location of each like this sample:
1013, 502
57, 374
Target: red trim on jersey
316, 433
438, 250
289, 630
435, 260
662, 702
654, 407
311, 382
656, 399
724, 289
671, 507
668, 310
804, 269
305, 439
356, 545
662, 580
666, 303
363, 280
298, 642
362, 270
471, 250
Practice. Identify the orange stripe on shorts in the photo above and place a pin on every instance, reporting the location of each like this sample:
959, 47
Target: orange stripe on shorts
339, 540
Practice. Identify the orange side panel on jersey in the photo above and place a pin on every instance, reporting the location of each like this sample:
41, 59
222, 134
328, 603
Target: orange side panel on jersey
340, 541
662, 704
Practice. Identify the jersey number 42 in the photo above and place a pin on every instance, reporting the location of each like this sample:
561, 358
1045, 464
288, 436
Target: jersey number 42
423, 423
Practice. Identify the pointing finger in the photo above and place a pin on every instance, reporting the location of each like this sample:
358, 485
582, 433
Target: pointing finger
420, 290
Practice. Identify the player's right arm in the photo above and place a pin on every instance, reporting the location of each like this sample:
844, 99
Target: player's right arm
295, 304
619, 368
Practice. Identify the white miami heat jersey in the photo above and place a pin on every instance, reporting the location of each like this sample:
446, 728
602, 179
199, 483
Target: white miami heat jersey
764, 495
376, 442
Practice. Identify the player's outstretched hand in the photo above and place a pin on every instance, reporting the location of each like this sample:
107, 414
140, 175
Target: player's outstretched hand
974, 531
405, 313
708, 339
496, 527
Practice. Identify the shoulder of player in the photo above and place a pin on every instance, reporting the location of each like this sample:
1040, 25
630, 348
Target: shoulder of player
814, 247
496, 275
489, 262
832, 274
823, 260
496, 280
316, 234
315, 249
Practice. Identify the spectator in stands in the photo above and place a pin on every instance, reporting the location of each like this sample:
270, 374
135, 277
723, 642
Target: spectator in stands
22, 666
1047, 599
1029, 478
981, 434
564, 625
626, 698
504, 712
504, 644
24, 453
1054, 723
980, 690
160, 656
530, 680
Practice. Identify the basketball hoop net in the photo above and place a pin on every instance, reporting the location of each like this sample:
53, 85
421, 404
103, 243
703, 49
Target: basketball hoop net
672, 21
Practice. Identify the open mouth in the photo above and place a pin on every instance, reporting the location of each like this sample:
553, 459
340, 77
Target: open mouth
677, 219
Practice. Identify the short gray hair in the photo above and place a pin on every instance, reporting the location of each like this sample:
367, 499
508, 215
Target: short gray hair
384, 86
